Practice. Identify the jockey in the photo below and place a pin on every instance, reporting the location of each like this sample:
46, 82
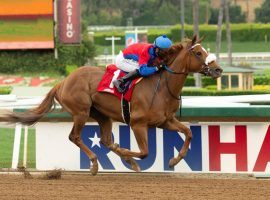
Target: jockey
140, 60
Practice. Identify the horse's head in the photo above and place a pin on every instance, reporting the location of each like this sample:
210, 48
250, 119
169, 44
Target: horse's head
200, 60
192, 57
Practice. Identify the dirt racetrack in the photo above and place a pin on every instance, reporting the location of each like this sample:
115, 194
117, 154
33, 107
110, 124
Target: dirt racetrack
135, 186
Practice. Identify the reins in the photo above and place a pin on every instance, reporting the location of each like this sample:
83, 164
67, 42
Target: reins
173, 72
156, 89
167, 82
170, 92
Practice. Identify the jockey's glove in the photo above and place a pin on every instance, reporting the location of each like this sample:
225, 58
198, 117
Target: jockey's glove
159, 67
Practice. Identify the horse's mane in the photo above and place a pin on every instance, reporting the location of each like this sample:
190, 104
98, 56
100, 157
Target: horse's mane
174, 50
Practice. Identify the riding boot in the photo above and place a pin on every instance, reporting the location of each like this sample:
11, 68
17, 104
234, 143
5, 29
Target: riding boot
120, 83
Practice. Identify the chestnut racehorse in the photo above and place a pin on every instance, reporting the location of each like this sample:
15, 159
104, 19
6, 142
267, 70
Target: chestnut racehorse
149, 107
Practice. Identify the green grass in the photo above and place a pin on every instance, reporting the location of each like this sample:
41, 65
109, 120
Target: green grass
6, 148
26, 30
236, 47
240, 46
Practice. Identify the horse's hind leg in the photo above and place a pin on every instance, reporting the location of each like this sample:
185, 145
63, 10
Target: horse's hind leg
105, 124
140, 132
75, 137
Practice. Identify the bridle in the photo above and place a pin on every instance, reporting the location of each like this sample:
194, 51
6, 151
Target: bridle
205, 69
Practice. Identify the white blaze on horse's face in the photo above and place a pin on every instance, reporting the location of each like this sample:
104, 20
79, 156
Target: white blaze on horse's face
210, 56
206, 59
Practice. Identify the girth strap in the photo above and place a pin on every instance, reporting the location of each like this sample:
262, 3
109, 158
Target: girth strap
125, 110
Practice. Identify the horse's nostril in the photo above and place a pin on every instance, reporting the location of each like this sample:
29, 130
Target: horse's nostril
219, 70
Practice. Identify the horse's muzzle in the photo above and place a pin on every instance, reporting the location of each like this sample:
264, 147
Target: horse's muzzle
215, 72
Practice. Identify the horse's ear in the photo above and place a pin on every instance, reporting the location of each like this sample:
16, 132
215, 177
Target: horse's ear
200, 39
194, 39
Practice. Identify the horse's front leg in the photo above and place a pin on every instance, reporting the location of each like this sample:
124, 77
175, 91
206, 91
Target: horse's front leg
175, 125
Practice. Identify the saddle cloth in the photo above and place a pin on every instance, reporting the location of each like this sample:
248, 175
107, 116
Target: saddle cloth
106, 84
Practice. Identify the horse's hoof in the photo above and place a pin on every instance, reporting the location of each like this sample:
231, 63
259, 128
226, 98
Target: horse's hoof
173, 162
94, 169
134, 165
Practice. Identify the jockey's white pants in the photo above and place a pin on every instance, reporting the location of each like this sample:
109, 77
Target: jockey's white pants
126, 65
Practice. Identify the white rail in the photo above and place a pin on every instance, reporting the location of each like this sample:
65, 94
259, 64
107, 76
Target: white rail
11, 102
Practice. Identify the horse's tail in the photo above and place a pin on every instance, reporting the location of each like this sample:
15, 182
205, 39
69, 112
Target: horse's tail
30, 117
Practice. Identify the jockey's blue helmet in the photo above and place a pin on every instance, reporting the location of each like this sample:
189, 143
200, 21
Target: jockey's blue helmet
162, 42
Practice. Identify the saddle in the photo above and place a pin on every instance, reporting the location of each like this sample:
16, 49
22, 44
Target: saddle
106, 85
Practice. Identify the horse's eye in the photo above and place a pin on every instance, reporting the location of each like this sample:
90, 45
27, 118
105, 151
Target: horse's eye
198, 53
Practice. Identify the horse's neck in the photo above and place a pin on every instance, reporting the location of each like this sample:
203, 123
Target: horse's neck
174, 83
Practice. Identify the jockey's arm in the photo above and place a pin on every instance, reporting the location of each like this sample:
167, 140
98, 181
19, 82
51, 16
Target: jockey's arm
145, 69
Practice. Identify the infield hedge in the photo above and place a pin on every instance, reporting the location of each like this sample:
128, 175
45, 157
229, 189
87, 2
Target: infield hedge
205, 92
19, 61
240, 32
5, 90
206, 81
